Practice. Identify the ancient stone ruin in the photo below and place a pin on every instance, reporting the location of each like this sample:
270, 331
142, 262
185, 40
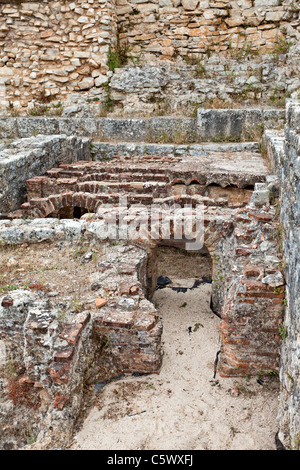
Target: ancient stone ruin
115, 110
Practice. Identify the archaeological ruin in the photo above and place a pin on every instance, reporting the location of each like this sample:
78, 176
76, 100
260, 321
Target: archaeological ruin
117, 115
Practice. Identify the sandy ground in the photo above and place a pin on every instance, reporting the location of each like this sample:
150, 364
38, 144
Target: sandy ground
183, 407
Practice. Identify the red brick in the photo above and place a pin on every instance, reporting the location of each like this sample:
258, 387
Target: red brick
252, 271
65, 355
118, 319
54, 172
59, 372
66, 199
100, 302
7, 302
61, 401
71, 333
242, 251
66, 181
261, 217
254, 285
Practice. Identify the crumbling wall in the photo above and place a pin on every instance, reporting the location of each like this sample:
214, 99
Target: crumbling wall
48, 360
252, 286
191, 53
40, 398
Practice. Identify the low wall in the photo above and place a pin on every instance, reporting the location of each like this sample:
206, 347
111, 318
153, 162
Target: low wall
33, 156
49, 361
218, 125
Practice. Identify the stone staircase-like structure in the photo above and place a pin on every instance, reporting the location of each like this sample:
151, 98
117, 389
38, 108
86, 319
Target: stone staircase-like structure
217, 178
208, 158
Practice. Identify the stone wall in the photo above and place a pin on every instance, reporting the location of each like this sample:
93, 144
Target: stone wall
170, 28
284, 150
51, 49
249, 272
201, 53
69, 51
48, 361
218, 125
248, 287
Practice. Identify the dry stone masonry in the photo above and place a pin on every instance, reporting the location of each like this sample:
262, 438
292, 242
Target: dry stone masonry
177, 54
39, 54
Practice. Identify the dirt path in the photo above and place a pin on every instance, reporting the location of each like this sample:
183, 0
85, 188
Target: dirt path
183, 408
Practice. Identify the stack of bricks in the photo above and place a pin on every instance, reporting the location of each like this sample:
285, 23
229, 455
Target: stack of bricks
253, 305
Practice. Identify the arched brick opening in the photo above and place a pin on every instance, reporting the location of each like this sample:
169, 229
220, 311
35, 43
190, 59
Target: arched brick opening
68, 213
54, 204
213, 248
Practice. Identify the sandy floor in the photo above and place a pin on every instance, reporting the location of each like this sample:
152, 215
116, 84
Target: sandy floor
183, 407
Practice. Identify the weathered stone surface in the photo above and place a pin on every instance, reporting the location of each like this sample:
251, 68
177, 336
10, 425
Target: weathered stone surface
70, 50
274, 280
25, 158
283, 149
226, 124
165, 130
190, 4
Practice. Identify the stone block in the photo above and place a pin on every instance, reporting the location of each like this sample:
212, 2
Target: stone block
84, 127
61, 401
39, 125
122, 129
260, 197
8, 128
171, 129
223, 124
